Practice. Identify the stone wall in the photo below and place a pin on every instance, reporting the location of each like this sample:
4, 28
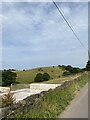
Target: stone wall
31, 101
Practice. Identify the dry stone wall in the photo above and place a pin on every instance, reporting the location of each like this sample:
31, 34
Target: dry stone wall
31, 101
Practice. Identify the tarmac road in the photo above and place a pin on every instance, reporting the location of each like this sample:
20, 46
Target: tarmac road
79, 106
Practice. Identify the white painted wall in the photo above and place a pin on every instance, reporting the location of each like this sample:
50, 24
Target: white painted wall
4, 89
43, 87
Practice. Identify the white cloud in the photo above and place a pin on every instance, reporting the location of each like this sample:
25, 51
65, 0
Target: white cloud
35, 34
45, 0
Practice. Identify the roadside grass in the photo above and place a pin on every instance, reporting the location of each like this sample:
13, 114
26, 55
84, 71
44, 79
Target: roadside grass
54, 102
28, 76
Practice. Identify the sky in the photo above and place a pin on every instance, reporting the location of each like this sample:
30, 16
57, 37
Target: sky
89, 28
45, 0
34, 34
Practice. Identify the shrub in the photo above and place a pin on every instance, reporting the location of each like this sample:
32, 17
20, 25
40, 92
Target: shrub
76, 70
69, 68
40, 69
59, 66
38, 78
59, 76
88, 66
46, 77
66, 73
63, 67
42, 77
84, 69
8, 99
73, 70
8, 77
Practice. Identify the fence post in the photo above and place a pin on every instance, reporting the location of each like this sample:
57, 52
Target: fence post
11, 87
30, 91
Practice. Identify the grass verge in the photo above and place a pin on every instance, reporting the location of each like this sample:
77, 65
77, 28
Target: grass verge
54, 102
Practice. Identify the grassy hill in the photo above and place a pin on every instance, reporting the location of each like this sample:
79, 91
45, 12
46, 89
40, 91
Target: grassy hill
28, 76
62, 79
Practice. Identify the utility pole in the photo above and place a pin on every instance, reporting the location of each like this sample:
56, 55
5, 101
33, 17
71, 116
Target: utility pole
88, 55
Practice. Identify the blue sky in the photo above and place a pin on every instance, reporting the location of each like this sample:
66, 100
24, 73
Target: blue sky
34, 34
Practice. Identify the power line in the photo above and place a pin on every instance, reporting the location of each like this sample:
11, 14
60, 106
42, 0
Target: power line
62, 14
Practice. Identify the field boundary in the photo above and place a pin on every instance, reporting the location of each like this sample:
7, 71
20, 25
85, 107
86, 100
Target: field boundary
33, 100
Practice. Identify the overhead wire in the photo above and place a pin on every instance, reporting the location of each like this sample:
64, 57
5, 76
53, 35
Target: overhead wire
69, 25
62, 14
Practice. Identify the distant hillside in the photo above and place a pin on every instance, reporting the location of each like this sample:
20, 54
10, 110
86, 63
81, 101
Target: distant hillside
28, 76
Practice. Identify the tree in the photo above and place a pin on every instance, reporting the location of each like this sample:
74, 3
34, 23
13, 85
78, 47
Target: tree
84, 69
88, 65
69, 68
76, 70
63, 67
59, 66
73, 70
42, 77
46, 77
38, 78
40, 69
66, 73
8, 77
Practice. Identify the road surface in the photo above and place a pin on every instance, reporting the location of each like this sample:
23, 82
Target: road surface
79, 106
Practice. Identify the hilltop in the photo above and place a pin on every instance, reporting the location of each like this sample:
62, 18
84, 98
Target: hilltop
27, 76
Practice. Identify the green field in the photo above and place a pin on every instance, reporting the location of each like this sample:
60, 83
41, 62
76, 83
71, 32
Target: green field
62, 79
52, 81
29, 75
56, 76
